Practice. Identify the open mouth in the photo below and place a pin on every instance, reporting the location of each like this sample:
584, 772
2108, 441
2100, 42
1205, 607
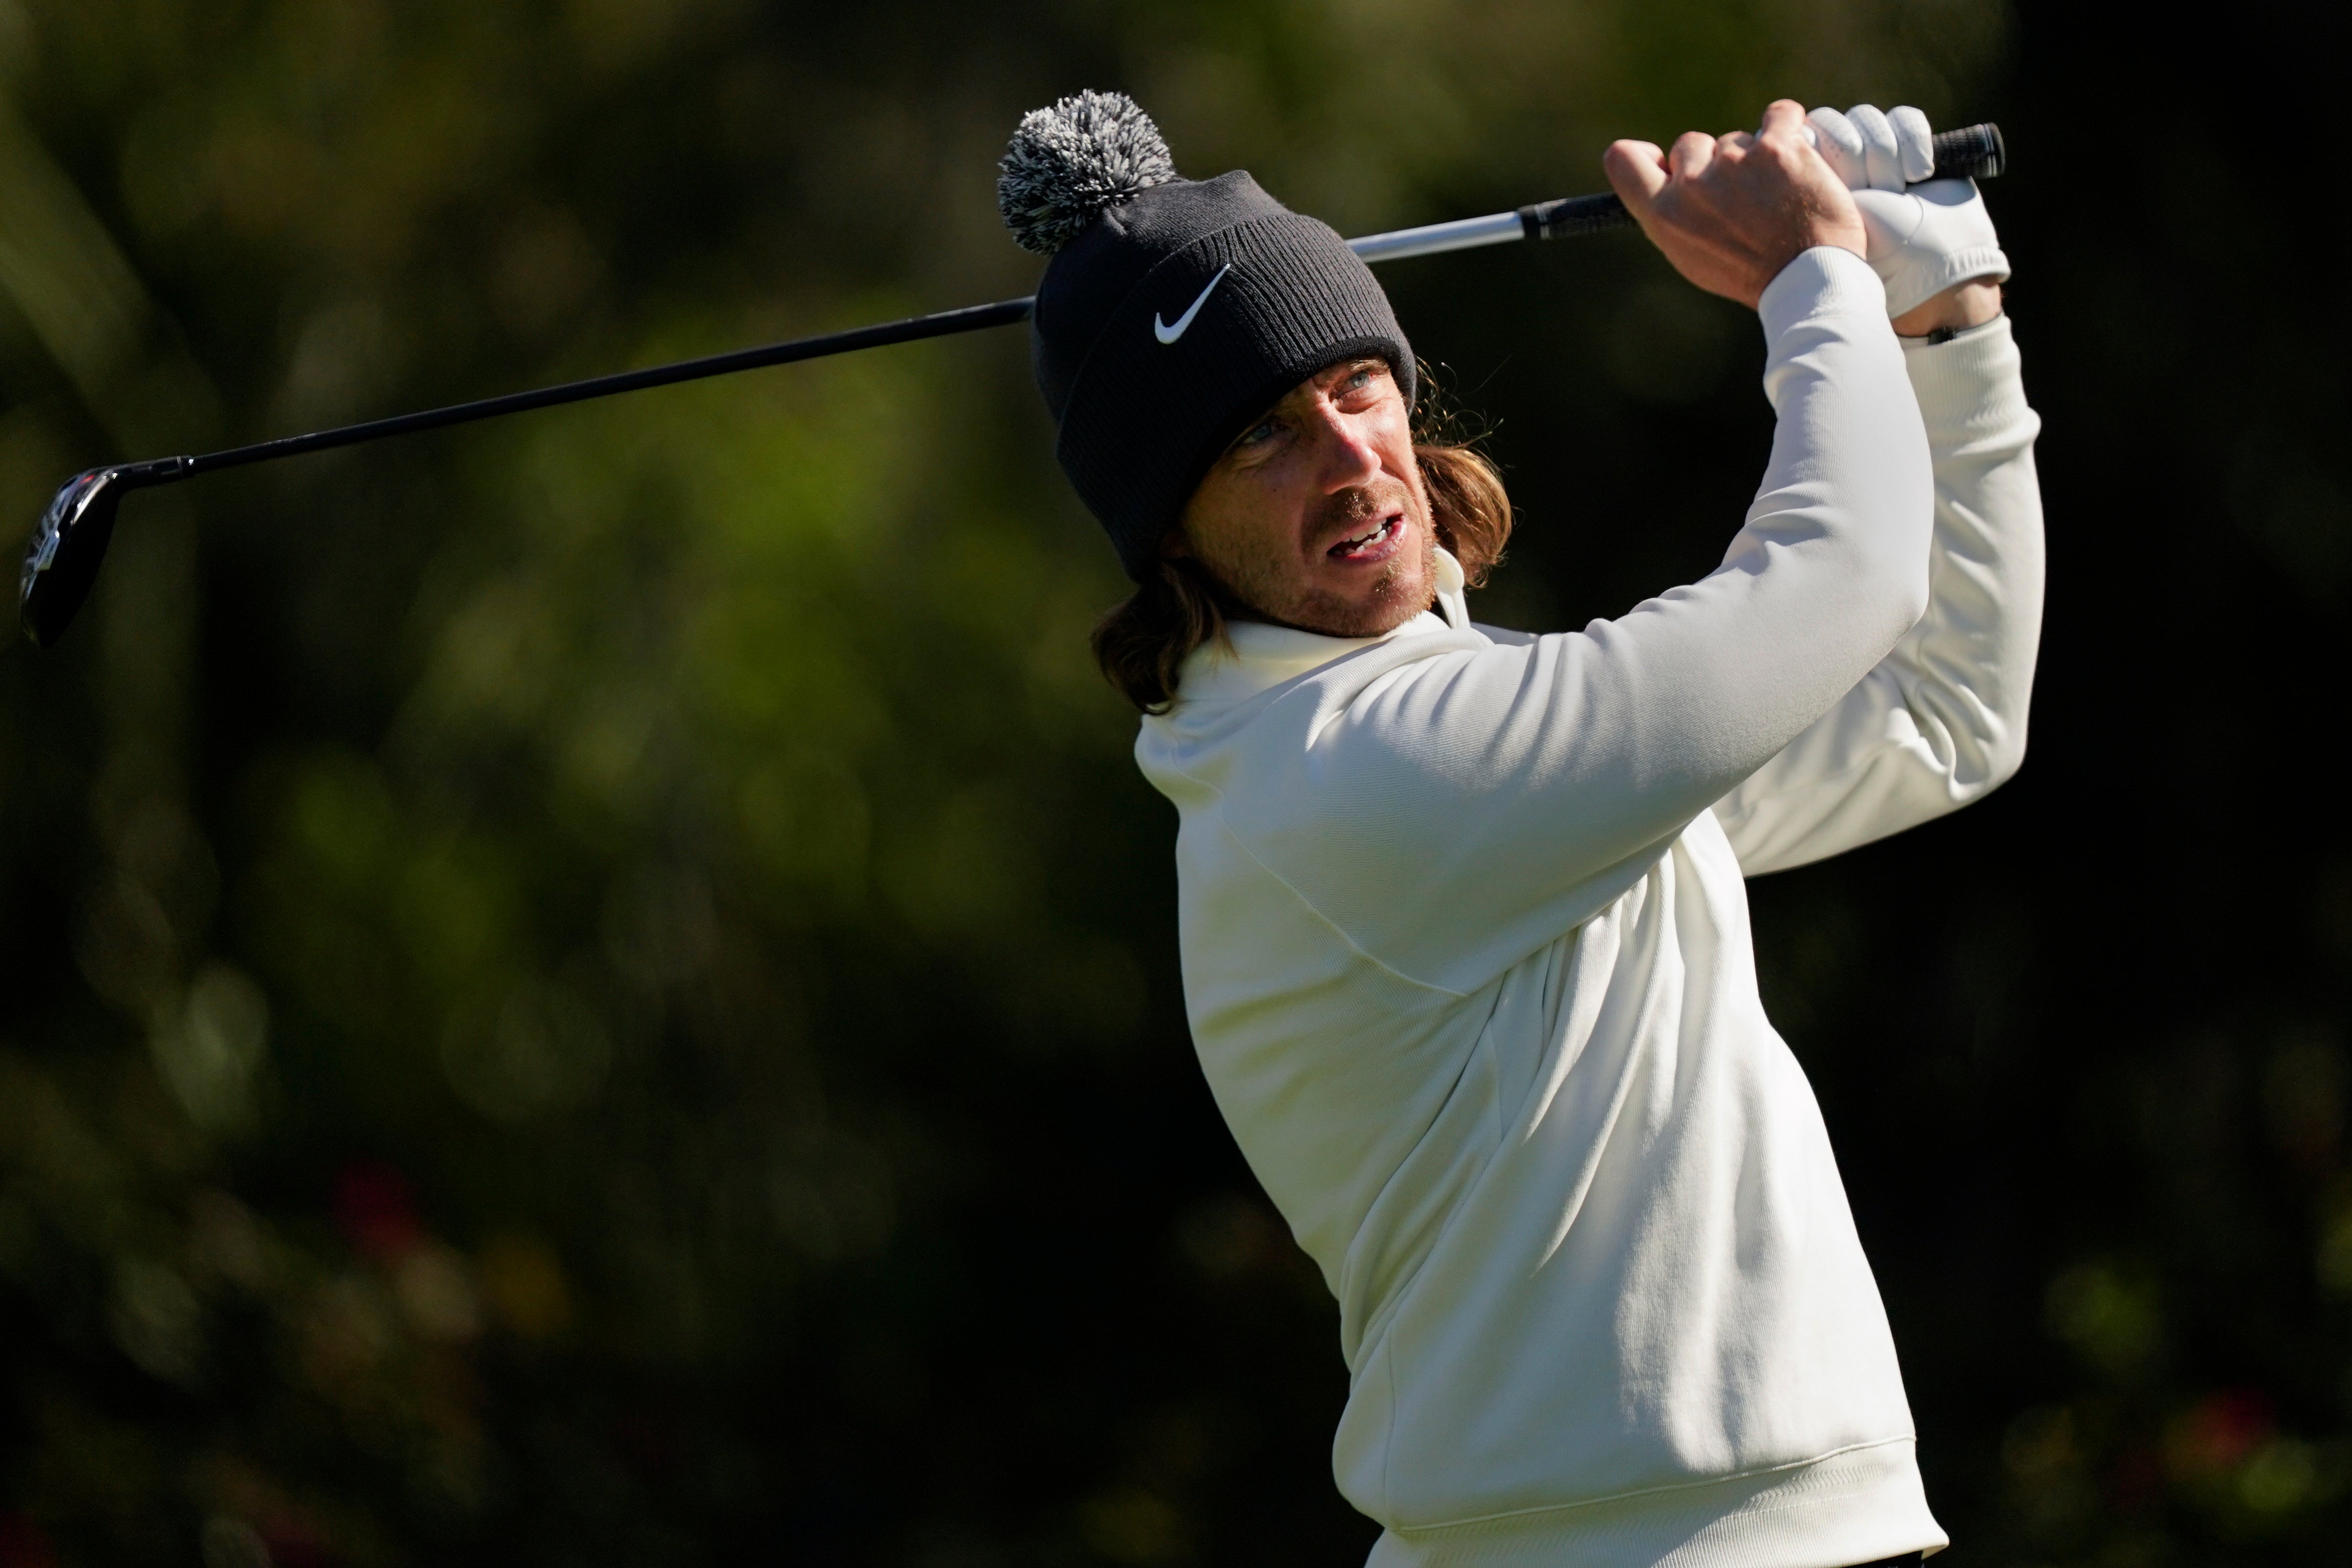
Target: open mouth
1375, 544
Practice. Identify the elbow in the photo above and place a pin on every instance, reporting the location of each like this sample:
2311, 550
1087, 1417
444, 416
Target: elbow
1971, 750
2004, 758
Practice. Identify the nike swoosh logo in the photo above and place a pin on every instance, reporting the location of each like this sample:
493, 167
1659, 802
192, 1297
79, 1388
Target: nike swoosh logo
1168, 334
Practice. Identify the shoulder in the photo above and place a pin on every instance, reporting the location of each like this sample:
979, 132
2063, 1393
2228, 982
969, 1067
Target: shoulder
1503, 637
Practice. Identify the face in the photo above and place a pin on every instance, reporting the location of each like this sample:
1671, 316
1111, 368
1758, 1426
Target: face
1315, 517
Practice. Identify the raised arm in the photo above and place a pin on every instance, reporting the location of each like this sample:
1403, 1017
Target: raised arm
1942, 719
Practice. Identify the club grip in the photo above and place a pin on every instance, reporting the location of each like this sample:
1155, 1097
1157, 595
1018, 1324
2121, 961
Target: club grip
1972, 151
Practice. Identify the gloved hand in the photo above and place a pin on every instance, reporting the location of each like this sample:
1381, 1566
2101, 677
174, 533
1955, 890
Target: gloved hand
1923, 240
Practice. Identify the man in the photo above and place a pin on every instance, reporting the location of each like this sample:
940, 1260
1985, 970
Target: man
1464, 934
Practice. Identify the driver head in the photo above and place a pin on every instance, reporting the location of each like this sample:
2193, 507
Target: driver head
62, 561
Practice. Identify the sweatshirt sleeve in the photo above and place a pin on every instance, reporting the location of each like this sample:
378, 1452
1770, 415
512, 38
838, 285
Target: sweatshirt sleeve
1519, 788
1941, 719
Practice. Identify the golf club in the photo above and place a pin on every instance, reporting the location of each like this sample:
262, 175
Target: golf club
62, 561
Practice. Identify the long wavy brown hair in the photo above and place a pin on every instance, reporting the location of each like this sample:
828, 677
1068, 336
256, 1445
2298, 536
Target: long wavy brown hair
1141, 643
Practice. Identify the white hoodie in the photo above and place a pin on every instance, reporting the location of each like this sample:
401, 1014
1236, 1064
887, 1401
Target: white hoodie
1466, 956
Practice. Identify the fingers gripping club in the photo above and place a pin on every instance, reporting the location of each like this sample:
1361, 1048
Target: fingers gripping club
1973, 151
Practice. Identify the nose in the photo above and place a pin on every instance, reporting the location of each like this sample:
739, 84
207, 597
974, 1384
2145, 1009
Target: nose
1346, 455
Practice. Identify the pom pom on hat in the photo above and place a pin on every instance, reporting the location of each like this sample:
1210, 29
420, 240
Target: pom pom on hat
1066, 163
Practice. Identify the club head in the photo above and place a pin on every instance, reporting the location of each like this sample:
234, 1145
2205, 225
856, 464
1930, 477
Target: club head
62, 561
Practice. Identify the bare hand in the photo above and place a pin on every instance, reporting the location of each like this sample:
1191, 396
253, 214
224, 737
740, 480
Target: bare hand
1731, 211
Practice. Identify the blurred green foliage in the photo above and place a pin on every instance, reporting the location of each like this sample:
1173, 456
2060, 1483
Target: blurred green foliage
601, 987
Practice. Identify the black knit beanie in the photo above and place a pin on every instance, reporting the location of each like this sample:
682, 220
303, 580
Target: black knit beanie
1175, 311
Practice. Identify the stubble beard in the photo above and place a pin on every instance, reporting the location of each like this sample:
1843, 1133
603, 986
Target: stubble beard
1266, 586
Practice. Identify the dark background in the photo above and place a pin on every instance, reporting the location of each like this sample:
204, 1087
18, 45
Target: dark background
601, 988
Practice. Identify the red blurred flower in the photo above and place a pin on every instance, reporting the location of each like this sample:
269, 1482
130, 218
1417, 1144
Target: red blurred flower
293, 1544
2215, 1436
21, 1544
374, 1206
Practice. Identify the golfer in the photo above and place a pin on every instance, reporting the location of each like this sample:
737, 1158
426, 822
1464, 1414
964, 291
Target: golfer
1464, 926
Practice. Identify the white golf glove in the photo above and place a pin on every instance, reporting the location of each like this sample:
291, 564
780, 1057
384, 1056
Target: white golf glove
1922, 240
